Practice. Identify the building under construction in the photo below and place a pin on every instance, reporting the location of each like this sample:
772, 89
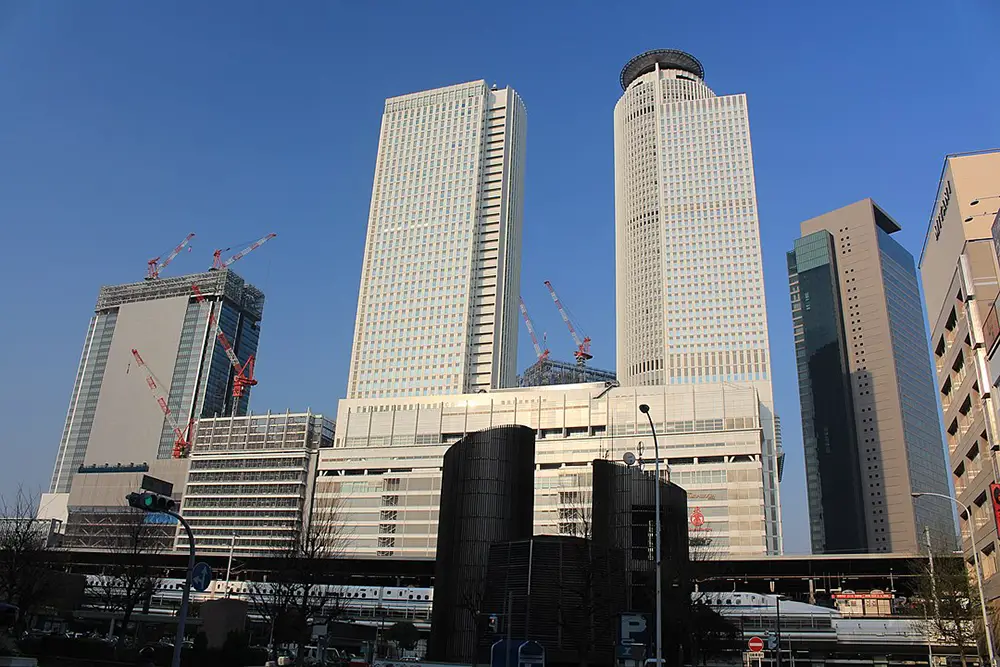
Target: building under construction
545, 372
152, 362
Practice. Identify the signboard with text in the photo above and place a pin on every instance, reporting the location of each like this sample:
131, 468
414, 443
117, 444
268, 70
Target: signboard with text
871, 603
995, 498
991, 328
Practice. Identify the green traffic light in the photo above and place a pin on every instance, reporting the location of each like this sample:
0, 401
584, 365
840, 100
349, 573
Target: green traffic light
148, 500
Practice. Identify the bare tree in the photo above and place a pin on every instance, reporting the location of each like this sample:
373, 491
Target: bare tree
296, 598
950, 603
584, 607
470, 600
25, 579
706, 633
131, 579
709, 634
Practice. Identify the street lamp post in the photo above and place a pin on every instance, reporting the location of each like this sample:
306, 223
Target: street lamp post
185, 594
644, 409
979, 576
155, 503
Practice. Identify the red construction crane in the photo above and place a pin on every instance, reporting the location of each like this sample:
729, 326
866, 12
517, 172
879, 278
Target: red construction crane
244, 372
181, 443
582, 346
154, 266
539, 352
217, 262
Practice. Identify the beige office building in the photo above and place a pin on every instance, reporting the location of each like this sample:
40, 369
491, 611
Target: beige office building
959, 269
438, 302
383, 473
870, 429
250, 481
690, 300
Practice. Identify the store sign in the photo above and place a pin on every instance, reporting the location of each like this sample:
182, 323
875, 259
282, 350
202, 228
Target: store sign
995, 497
872, 603
995, 233
991, 328
942, 210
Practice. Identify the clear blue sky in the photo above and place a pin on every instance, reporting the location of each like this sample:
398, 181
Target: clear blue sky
125, 125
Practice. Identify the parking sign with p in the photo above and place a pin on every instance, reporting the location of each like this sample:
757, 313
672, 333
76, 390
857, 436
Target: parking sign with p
633, 628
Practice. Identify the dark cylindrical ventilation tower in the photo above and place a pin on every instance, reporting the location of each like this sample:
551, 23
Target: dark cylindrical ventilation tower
624, 519
487, 496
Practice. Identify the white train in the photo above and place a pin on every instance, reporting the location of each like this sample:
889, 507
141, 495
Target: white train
374, 602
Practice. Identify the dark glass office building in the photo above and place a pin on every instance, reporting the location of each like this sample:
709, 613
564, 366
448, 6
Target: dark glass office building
833, 477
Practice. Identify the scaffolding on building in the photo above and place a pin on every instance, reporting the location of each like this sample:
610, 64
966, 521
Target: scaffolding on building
547, 372
224, 283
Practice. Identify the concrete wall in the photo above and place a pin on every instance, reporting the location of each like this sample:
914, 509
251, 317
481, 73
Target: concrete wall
128, 421
108, 489
965, 178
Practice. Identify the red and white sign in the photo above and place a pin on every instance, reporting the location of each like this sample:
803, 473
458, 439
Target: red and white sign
756, 644
697, 518
995, 496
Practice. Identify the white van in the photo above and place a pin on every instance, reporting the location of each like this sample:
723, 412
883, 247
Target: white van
312, 656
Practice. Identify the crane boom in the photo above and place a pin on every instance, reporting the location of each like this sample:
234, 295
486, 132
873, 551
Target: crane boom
154, 266
244, 372
181, 443
217, 262
541, 354
219, 333
582, 346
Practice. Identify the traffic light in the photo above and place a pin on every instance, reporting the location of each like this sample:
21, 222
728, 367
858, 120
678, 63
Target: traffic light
150, 502
494, 623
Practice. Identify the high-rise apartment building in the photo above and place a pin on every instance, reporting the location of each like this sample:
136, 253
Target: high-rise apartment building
870, 429
690, 288
958, 266
438, 304
113, 418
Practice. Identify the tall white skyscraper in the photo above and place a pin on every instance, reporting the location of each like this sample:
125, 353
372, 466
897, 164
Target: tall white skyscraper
690, 289
690, 285
438, 305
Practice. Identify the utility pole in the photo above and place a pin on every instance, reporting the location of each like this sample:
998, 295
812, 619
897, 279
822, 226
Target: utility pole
229, 566
977, 566
930, 560
777, 630
510, 623
643, 408
156, 503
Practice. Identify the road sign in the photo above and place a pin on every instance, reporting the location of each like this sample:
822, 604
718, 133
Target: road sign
633, 628
756, 644
630, 652
201, 576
